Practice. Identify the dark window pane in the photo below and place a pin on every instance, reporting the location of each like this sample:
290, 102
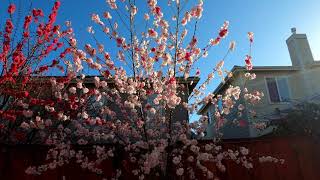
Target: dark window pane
273, 90
209, 116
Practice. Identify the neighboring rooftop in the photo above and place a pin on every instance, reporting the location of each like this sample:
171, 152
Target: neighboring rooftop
191, 81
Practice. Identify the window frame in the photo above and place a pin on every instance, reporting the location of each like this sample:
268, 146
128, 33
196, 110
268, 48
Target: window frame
279, 93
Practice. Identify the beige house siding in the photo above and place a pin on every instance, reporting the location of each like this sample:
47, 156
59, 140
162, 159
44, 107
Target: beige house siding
299, 91
266, 106
229, 130
303, 79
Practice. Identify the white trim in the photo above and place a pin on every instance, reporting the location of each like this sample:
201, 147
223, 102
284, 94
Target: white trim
267, 89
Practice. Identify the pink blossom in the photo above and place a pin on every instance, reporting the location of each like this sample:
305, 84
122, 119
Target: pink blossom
120, 41
48, 122
27, 113
197, 11
248, 62
146, 16
112, 4
190, 158
134, 10
73, 90
107, 15
180, 171
96, 81
224, 30
95, 18
85, 90
11, 8
152, 33
250, 36
25, 125
176, 160
84, 115
244, 151
232, 45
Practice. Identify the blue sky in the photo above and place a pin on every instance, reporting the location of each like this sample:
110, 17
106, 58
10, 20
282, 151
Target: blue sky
270, 20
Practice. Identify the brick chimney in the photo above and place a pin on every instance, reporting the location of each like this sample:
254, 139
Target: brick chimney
299, 49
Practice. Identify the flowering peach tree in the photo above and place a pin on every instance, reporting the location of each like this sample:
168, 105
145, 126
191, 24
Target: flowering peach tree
134, 109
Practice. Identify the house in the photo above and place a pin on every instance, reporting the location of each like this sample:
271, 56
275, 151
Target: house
179, 113
41, 93
282, 86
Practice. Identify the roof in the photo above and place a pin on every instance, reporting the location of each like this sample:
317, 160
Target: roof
267, 68
254, 69
191, 81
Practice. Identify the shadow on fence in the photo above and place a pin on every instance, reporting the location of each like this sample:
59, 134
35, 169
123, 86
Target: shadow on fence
301, 154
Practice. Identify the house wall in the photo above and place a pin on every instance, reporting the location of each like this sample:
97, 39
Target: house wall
266, 109
303, 81
303, 85
312, 76
297, 91
230, 130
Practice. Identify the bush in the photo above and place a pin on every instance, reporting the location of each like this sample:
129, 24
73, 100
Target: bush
302, 120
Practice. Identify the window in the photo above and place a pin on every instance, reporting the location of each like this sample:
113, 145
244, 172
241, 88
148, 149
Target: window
151, 98
209, 114
220, 104
160, 110
278, 89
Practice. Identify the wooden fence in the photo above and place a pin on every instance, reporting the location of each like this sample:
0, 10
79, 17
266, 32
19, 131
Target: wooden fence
301, 154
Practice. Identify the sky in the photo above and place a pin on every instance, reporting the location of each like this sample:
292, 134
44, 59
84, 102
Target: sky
270, 20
